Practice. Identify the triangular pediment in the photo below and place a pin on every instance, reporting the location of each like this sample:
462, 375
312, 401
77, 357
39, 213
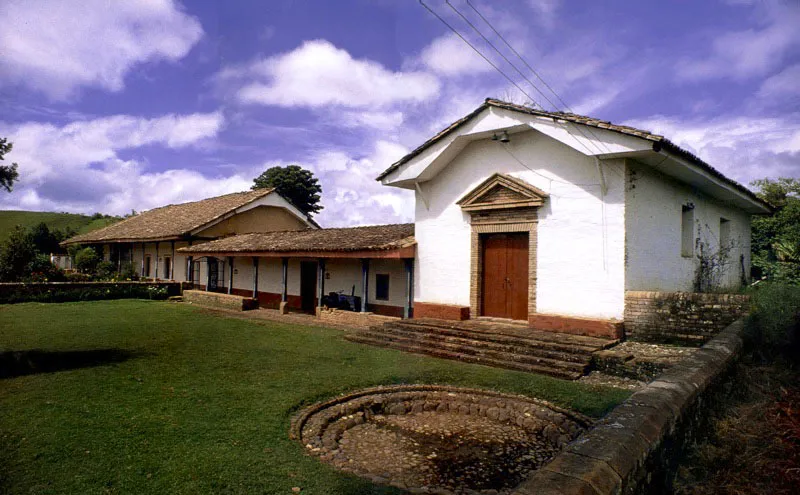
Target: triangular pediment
502, 192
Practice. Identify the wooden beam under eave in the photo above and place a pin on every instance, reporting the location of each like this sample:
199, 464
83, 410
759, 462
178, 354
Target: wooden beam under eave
400, 253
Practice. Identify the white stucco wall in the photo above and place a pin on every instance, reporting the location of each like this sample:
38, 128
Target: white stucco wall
653, 226
580, 265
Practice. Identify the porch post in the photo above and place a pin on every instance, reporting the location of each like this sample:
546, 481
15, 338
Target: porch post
141, 273
255, 278
321, 281
172, 262
285, 281
230, 270
208, 271
189, 266
364, 283
408, 307
119, 259
133, 246
156, 277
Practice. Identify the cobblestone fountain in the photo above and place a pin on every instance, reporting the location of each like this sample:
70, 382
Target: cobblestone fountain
437, 439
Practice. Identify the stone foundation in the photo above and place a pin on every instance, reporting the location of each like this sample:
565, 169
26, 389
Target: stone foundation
441, 311
221, 301
610, 329
680, 317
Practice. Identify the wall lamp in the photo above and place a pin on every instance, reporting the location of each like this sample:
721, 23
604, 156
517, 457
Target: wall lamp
502, 137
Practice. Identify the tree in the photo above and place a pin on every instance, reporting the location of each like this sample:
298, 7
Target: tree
776, 238
8, 173
294, 183
16, 254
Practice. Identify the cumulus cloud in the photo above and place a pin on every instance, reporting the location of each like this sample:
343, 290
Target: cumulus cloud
748, 53
76, 167
57, 47
743, 148
783, 84
318, 74
450, 56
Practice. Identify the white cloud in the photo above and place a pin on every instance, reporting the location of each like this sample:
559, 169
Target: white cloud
76, 167
748, 53
318, 74
350, 193
743, 148
448, 55
546, 11
382, 121
57, 47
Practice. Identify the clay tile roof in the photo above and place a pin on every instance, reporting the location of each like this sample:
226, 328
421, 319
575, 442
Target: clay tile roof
171, 221
660, 142
371, 238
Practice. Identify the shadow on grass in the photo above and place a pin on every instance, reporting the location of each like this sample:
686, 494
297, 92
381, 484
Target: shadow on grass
35, 361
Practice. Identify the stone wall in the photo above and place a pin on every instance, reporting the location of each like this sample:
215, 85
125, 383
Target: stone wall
636, 448
680, 317
221, 301
352, 318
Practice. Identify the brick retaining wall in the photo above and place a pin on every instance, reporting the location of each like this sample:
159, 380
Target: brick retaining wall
352, 318
217, 300
637, 447
680, 317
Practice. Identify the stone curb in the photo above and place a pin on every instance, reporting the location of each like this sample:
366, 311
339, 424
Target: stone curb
635, 448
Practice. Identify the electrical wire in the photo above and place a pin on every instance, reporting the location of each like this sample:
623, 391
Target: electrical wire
535, 73
479, 53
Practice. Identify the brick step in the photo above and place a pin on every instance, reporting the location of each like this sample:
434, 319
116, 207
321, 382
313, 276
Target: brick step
565, 346
468, 358
512, 329
546, 350
482, 352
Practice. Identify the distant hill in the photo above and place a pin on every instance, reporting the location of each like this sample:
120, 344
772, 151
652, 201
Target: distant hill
81, 223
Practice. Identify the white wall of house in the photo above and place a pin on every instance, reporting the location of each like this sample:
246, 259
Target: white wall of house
580, 262
655, 260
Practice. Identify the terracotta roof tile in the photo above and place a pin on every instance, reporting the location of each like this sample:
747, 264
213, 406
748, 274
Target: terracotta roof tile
171, 221
371, 238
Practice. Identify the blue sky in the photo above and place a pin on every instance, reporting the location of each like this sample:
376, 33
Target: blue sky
114, 106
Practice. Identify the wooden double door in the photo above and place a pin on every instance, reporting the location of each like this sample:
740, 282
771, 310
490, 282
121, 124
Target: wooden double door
504, 287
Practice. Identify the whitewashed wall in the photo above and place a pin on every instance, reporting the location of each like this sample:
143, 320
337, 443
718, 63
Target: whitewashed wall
581, 240
653, 226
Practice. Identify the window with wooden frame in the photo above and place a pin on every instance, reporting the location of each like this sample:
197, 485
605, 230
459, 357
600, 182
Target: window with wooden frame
168, 267
382, 286
687, 230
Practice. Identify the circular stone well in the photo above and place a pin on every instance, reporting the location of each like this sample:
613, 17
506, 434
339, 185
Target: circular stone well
437, 439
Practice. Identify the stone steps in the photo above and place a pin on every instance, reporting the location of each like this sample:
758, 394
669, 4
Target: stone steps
468, 358
503, 345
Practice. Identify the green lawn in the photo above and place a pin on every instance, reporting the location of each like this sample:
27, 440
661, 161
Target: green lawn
188, 402
81, 223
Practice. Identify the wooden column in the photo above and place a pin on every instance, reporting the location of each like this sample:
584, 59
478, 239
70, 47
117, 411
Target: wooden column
320, 281
172, 262
141, 273
209, 260
364, 284
408, 307
255, 278
285, 280
190, 267
156, 274
230, 271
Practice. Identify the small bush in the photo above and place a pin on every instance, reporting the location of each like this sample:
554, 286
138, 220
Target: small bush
55, 294
86, 260
128, 272
773, 325
105, 270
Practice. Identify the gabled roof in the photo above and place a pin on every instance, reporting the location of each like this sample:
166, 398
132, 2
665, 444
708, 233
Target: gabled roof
659, 142
319, 241
172, 222
501, 191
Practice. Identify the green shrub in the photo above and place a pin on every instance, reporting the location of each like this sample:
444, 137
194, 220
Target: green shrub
66, 294
128, 272
106, 270
86, 260
773, 324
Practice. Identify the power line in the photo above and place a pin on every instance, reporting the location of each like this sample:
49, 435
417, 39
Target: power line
535, 73
479, 53
474, 28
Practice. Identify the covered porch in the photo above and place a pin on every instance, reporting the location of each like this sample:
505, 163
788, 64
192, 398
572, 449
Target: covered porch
367, 270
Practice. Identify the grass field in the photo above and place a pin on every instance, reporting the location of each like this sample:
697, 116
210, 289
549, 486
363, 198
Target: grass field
81, 223
183, 401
